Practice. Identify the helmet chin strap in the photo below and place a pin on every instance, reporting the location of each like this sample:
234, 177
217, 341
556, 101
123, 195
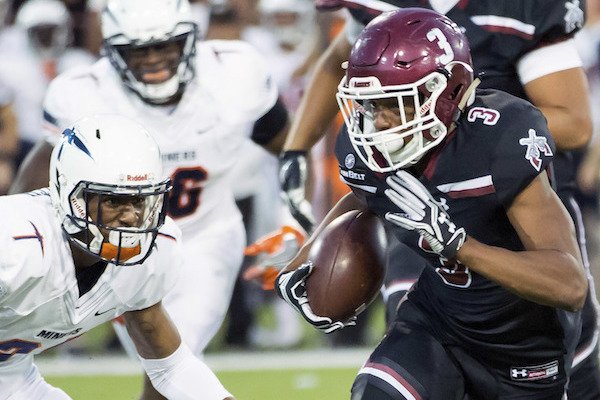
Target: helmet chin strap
469, 96
160, 92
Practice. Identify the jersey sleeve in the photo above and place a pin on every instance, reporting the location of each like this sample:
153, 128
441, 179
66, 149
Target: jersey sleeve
163, 268
524, 150
555, 20
245, 89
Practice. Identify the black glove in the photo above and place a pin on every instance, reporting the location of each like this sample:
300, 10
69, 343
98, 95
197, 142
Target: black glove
292, 176
290, 286
422, 213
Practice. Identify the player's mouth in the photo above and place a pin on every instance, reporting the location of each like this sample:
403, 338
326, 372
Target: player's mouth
156, 75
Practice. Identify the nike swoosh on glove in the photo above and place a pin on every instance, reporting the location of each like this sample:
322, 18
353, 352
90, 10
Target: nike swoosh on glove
290, 286
422, 213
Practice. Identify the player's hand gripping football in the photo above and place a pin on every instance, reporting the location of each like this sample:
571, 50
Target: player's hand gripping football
422, 213
290, 286
292, 176
273, 251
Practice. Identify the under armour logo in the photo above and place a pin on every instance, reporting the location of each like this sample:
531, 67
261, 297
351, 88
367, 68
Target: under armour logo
518, 373
536, 146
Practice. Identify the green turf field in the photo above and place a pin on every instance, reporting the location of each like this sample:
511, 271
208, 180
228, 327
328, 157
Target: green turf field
300, 384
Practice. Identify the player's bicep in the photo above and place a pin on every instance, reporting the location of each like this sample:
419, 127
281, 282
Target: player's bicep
540, 219
33, 172
152, 331
561, 98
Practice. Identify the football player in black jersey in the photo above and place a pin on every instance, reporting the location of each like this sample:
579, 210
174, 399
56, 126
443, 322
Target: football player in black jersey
522, 47
459, 174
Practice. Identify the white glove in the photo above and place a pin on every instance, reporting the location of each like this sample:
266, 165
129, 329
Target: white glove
422, 213
290, 286
292, 177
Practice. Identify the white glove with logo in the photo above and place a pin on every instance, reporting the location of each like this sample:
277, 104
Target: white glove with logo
422, 213
290, 286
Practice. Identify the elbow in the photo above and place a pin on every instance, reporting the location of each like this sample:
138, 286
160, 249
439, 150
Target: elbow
577, 294
584, 131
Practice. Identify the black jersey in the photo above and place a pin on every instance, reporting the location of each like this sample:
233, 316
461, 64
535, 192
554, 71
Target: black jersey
500, 145
500, 32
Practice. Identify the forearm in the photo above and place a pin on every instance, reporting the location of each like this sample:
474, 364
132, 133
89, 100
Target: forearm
549, 277
152, 332
9, 137
319, 107
33, 172
183, 376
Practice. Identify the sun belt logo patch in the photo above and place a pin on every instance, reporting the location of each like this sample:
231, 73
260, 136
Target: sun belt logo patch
536, 146
350, 161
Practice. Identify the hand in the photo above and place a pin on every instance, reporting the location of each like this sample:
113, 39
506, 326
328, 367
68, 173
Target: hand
422, 213
292, 176
275, 251
290, 286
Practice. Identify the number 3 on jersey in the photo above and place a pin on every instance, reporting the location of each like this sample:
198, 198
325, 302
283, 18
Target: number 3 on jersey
185, 195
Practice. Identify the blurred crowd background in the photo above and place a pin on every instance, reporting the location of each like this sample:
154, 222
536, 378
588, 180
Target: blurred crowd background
42, 38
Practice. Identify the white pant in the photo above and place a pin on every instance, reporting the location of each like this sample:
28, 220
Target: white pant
198, 302
22, 381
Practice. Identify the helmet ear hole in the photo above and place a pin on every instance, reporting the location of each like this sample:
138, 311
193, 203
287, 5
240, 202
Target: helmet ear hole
457, 90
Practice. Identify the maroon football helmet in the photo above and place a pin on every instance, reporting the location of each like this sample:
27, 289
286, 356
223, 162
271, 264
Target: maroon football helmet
416, 61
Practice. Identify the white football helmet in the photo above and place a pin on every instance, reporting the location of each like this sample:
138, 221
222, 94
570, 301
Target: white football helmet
48, 26
290, 21
108, 158
133, 24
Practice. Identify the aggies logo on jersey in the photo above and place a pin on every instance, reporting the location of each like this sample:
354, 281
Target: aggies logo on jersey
536, 146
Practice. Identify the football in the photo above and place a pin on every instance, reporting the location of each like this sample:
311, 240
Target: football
349, 265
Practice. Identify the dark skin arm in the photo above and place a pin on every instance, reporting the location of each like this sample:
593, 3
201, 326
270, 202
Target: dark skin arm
550, 270
154, 335
275, 145
9, 146
562, 98
33, 173
312, 122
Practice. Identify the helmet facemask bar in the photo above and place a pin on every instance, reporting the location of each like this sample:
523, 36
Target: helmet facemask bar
185, 33
397, 146
121, 245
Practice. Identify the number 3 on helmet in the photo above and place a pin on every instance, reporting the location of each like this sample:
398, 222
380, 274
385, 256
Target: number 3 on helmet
105, 166
418, 60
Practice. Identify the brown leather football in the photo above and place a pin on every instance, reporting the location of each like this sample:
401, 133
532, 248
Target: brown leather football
349, 265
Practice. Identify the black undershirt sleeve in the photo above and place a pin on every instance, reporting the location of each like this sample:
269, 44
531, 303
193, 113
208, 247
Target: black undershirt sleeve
270, 124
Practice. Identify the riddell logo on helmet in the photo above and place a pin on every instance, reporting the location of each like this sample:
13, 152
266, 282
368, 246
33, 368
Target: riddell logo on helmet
137, 178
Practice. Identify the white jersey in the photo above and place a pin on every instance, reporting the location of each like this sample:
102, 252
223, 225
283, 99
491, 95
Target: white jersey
199, 139
40, 305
